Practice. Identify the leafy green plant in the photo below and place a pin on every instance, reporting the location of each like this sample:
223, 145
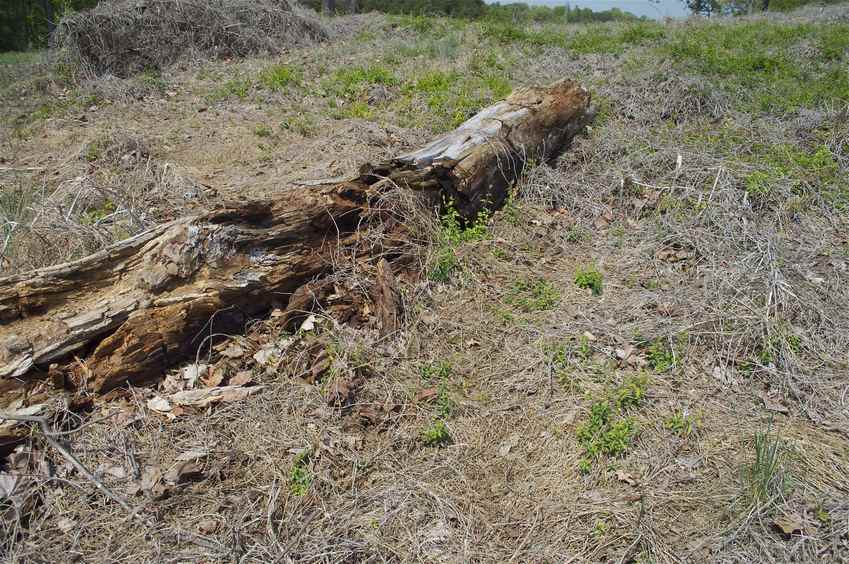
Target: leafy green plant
436, 434
632, 391
604, 433
452, 233
608, 431
300, 478
660, 355
589, 277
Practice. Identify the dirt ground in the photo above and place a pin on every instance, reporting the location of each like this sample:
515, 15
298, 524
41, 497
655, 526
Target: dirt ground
641, 358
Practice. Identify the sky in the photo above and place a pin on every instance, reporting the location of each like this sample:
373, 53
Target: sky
656, 10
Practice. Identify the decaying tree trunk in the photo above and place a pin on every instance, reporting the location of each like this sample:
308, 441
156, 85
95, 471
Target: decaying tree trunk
128, 313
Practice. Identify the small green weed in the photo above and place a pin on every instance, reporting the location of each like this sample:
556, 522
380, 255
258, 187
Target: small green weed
589, 277
681, 423
436, 434
301, 124
300, 479
660, 355
263, 131
632, 392
533, 295
436, 371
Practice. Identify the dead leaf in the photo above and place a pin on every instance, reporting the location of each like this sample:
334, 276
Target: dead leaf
215, 376
589, 336
208, 396
623, 476
192, 455
790, 524
625, 352
150, 478
159, 404
309, 323
242, 378
66, 525
266, 354
773, 404
665, 308
233, 350
192, 373
342, 390
207, 526
426, 395
182, 472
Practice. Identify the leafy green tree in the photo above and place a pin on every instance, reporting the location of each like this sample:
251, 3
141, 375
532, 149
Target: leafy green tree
27, 24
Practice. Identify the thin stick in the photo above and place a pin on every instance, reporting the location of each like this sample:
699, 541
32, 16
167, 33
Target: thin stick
49, 435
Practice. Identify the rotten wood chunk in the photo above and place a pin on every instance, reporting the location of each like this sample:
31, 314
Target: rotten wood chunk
137, 308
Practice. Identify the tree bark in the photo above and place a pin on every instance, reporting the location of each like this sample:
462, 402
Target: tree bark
133, 310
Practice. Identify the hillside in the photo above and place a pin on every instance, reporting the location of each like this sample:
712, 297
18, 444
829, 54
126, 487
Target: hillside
641, 357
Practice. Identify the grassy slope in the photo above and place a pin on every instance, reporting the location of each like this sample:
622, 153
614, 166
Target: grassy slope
674, 415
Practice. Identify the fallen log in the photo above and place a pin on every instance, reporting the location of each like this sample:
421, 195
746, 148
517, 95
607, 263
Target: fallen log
131, 311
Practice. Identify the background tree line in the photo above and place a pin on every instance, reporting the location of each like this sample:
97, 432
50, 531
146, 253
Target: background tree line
26, 24
471, 9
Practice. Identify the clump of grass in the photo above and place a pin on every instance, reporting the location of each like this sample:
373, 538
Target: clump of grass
589, 277
767, 477
279, 77
753, 61
352, 82
233, 88
533, 295
263, 131
300, 478
301, 124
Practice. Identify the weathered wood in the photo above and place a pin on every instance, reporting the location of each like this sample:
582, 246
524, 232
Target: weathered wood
133, 310
387, 299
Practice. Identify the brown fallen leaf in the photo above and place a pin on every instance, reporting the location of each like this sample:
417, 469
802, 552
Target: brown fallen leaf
183, 472
790, 524
208, 526
215, 376
426, 395
242, 378
625, 477
342, 390
233, 350
773, 404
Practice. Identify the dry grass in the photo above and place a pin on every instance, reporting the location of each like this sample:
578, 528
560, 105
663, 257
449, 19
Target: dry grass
729, 298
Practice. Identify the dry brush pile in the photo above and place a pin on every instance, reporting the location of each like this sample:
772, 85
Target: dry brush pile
126, 37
